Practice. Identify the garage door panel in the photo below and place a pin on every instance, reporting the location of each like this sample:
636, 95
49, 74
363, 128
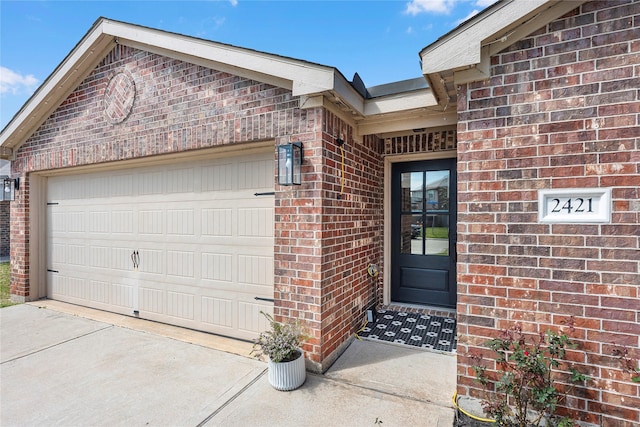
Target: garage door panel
255, 222
249, 317
256, 270
205, 242
180, 222
217, 311
217, 177
122, 221
180, 263
99, 291
99, 256
121, 295
152, 261
100, 222
151, 183
254, 174
69, 287
217, 266
180, 181
181, 304
152, 300
216, 222
151, 221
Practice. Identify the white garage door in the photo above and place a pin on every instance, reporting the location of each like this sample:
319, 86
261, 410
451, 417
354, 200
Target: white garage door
202, 238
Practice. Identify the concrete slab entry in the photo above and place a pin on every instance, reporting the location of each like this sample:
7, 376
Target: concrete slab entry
322, 402
399, 370
117, 377
25, 329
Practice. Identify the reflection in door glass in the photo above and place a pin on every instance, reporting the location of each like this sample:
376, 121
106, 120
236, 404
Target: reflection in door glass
411, 234
436, 233
437, 190
412, 191
424, 222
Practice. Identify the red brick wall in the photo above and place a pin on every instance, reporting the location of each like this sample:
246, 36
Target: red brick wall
4, 229
326, 237
178, 106
19, 242
560, 111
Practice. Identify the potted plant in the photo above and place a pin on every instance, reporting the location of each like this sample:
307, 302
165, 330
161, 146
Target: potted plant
281, 344
525, 393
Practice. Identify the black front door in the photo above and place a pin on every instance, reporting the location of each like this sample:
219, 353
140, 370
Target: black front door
423, 221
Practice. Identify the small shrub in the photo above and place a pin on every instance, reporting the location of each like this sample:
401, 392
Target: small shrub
525, 393
281, 343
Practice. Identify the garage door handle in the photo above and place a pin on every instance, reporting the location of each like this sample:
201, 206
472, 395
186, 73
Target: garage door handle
270, 193
135, 258
263, 299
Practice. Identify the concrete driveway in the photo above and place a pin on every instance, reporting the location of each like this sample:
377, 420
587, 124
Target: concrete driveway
63, 369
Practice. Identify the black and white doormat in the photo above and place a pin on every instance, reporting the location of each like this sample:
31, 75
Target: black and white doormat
418, 330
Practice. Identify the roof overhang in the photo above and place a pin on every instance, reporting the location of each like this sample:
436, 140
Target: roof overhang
463, 55
305, 79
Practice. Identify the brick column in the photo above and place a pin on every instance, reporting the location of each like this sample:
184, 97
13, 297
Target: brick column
327, 232
19, 241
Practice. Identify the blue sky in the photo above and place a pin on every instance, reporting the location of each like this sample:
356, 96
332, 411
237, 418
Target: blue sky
379, 40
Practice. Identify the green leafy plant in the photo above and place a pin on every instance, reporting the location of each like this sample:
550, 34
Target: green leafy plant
524, 393
281, 343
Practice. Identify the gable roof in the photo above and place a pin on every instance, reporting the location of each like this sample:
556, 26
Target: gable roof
477, 39
308, 80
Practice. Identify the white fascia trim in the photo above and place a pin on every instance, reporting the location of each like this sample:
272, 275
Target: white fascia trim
305, 78
462, 47
349, 95
400, 102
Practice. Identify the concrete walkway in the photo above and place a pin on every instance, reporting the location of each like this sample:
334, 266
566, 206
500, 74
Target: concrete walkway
71, 366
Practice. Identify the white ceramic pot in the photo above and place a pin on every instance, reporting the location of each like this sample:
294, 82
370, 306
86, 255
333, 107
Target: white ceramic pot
286, 376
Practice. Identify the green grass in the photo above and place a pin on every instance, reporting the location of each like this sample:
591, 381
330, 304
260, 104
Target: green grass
5, 294
436, 232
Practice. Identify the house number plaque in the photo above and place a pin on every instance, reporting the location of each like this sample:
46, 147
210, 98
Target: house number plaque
574, 205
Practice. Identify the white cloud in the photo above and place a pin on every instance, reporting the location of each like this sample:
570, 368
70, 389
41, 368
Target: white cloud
437, 6
410, 30
473, 13
14, 83
233, 2
210, 24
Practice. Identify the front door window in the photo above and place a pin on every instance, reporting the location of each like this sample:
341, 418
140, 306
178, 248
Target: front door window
425, 213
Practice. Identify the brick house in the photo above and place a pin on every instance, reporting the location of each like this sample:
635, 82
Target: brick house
147, 164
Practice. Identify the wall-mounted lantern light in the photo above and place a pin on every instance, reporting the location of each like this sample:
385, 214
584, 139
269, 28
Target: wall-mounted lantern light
9, 186
290, 163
